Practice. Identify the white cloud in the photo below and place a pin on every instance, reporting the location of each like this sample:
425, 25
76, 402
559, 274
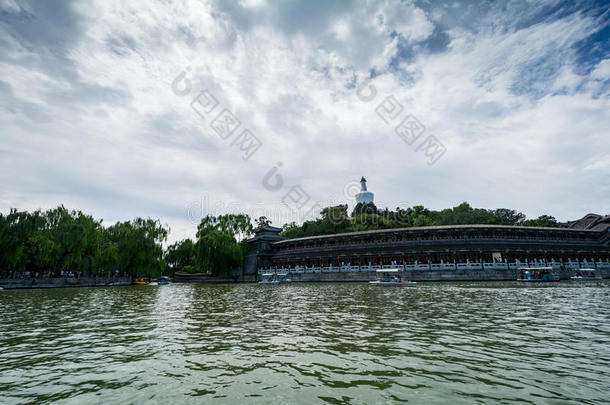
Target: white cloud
105, 133
602, 70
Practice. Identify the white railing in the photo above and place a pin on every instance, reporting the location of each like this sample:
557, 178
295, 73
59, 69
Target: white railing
569, 265
468, 266
420, 266
330, 269
495, 266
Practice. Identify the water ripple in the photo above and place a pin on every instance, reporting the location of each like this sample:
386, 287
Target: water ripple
321, 343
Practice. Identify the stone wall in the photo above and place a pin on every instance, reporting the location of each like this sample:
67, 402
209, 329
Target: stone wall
455, 275
191, 278
61, 282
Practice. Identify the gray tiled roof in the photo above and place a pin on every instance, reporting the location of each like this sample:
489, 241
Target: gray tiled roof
436, 228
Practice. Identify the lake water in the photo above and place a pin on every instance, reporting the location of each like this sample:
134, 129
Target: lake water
307, 343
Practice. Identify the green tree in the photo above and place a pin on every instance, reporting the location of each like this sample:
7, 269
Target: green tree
139, 246
368, 217
543, 220
218, 251
334, 219
70, 233
367, 222
504, 216
292, 230
60, 239
16, 230
181, 256
364, 208
263, 221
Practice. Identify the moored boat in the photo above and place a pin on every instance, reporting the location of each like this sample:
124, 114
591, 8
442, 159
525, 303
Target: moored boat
585, 275
391, 278
139, 281
537, 275
273, 278
283, 278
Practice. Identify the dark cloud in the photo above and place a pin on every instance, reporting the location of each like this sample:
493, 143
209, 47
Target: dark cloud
47, 28
53, 25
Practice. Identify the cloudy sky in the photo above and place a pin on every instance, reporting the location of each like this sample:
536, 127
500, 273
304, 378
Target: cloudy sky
173, 110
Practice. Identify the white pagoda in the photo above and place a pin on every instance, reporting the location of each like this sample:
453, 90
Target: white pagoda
364, 196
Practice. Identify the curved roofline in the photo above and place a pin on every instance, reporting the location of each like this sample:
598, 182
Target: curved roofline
436, 227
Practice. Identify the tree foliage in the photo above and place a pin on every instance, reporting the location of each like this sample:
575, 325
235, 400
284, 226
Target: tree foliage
366, 217
543, 220
181, 256
217, 248
60, 240
138, 246
262, 222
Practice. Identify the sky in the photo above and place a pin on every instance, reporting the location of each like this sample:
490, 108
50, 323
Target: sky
179, 109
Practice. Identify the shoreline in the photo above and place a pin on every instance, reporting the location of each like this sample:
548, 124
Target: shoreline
417, 276
62, 282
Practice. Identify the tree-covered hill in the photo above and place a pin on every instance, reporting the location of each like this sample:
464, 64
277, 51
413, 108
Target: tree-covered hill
365, 217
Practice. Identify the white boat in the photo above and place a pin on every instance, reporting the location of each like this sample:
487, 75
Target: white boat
272, 278
585, 274
269, 282
537, 275
391, 278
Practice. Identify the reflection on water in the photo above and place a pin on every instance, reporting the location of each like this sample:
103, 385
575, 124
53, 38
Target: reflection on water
335, 343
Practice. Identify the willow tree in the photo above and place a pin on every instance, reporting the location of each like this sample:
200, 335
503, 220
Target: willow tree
73, 235
181, 256
138, 246
218, 251
17, 241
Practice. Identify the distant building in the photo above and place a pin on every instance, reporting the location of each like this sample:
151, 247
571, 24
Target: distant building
584, 243
364, 196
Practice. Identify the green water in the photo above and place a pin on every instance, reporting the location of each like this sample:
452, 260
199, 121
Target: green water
307, 343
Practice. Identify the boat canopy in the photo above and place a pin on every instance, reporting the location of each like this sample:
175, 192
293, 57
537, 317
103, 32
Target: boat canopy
389, 270
535, 268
